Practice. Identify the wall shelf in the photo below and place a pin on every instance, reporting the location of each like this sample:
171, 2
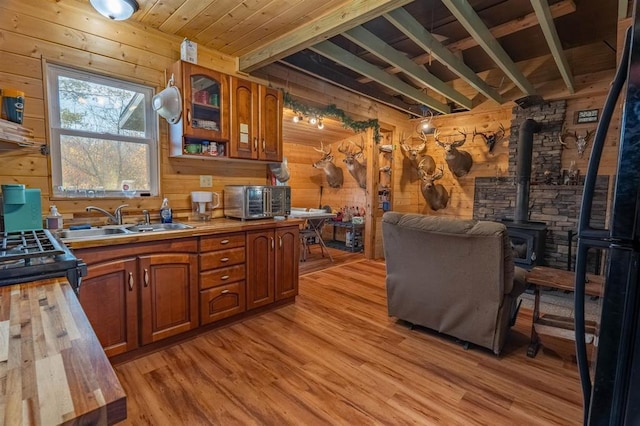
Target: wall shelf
16, 134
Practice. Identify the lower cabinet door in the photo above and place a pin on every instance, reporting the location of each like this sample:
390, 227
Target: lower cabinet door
109, 298
222, 301
169, 292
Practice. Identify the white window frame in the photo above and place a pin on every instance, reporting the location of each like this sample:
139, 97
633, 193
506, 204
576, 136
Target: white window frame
56, 131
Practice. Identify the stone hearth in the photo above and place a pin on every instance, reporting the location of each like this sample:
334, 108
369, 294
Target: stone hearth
554, 204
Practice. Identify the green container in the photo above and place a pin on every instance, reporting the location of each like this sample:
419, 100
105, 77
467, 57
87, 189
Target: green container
26, 216
13, 194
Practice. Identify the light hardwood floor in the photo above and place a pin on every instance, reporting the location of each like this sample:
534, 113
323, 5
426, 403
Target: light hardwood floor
336, 358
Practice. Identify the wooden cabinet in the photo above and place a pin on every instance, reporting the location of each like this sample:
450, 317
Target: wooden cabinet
205, 113
137, 294
169, 302
272, 265
222, 276
256, 121
286, 261
141, 293
109, 297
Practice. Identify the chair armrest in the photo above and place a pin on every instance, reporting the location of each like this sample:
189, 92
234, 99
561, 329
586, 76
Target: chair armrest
519, 284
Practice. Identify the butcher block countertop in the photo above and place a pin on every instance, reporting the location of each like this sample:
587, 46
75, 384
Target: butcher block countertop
52, 367
212, 227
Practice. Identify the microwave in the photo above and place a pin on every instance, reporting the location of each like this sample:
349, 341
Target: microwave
256, 201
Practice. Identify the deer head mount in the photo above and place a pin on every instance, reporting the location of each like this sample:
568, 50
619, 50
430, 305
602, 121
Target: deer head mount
357, 169
335, 177
459, 162
490, 138
434, 194
581, 141
413, 157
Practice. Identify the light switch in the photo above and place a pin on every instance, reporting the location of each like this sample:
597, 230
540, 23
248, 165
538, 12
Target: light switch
206, 181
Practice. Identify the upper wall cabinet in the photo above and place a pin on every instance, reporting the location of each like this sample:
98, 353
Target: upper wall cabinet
256, 121
205, 110
225, 117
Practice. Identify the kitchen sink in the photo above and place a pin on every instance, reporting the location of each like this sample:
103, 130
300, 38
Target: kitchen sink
120, 230
158, 227
92, 232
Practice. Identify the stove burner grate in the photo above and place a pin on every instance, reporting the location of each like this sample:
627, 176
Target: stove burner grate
24, 245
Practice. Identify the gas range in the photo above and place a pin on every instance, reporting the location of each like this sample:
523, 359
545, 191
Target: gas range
34, 255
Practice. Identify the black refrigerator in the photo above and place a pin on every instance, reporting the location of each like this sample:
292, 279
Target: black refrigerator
611, 384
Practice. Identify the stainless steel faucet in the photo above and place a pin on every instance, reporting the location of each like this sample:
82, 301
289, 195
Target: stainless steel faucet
147, 218
115, 218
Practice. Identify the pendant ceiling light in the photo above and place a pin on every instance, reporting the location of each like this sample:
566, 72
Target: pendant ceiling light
117, 10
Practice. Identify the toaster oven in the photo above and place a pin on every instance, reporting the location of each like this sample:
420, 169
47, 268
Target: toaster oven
256, 201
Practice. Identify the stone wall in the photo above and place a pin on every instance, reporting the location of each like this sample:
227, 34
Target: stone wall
550, 201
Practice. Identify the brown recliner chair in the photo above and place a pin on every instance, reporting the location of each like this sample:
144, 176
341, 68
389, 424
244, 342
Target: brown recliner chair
453, 276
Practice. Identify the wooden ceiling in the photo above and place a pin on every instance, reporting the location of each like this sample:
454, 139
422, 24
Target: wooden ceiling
446, 54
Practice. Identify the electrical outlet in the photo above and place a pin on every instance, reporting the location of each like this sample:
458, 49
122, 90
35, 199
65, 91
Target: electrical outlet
206, 181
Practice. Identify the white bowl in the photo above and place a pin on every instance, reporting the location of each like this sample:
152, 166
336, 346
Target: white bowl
168, 104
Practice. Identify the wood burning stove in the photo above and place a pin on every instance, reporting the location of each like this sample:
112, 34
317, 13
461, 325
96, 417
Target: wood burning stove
527, 238
527, 242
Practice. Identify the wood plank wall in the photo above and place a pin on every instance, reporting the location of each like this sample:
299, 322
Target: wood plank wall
71, 33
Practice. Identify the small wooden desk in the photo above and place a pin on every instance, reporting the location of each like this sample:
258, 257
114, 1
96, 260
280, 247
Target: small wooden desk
557, 332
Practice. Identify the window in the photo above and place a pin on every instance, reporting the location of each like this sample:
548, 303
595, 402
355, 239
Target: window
103, 135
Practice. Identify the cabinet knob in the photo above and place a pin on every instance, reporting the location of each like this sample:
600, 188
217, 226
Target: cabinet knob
130, 281
255, 144
224, 277
146, 278
189, 117
224, 259
273, 243
280, 241
224, 291
264, 144
224, 242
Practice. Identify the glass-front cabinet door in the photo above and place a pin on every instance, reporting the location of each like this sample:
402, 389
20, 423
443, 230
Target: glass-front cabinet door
206, 102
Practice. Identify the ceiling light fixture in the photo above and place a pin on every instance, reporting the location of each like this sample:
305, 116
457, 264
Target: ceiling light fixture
313, 120
425, 124
117, 10
320, 125
297, 118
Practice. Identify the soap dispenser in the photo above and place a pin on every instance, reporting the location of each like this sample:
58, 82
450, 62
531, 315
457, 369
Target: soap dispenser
166, 215
54, 219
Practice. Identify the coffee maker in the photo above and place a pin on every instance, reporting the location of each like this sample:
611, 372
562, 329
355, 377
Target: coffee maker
21, 208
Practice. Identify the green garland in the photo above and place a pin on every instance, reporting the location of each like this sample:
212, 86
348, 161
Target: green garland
335, 112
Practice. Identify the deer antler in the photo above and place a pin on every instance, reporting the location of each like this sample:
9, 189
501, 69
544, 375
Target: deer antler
343, 150
590, 133
436, 134
563, 135
438, 175
321, 150
462, 141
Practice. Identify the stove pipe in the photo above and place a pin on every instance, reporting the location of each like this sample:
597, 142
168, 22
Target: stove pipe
523, 168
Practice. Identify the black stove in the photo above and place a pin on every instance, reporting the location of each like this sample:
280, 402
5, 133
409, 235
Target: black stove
34, 255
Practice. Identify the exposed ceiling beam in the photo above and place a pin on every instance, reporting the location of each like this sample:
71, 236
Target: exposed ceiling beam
562, 8
419, 35
470, 20
307, 65
541, 7
351, 61
354, 13
369, 41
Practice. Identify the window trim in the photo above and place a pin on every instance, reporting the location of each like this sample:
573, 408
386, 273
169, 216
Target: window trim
53, 71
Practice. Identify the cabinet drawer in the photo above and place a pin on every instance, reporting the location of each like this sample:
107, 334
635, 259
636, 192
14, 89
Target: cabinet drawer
221, 302
221, 276
221, 258
219, 242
